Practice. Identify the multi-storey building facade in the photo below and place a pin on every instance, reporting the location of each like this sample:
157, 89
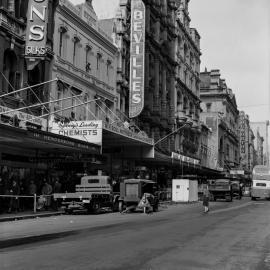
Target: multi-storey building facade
187, 92
259, 148
84, 63
246, 143
172, 64
263, 128
221, 115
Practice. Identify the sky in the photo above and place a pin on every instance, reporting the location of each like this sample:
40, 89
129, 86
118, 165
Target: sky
235, 38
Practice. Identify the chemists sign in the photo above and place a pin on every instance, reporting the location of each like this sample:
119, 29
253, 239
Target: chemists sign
137, 48
89, 131
36, 32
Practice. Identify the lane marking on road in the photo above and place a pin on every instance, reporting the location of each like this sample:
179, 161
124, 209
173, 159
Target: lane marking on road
230, 208
259, 203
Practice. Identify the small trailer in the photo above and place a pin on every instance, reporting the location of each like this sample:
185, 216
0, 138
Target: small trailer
136, 191
94, 194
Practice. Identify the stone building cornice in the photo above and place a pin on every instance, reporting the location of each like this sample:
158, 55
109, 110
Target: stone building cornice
102, 40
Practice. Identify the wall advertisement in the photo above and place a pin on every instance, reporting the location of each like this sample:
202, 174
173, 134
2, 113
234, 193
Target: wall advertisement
89, 131
137, 50
23, 117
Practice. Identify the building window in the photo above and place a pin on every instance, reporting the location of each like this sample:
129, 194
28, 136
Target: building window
208, 107
75, 49
99, 55
9, 71
227, 151
87, 58
109, 62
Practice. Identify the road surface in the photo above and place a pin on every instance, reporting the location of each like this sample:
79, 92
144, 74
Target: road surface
231, 236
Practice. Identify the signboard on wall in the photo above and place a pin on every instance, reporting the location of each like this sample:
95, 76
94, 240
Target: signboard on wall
242, 133
36, 32
137, 50
89, 131
185, 159
23, 117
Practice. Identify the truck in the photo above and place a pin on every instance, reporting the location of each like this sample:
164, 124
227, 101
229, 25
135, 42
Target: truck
236, 189
133, 191
93, 194
221, 189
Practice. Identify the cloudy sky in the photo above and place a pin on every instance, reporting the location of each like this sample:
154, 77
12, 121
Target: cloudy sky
235, 39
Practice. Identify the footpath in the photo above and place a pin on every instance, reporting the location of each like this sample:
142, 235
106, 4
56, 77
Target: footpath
25, 228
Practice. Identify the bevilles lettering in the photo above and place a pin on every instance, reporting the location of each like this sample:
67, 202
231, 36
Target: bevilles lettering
137, 57
137, 62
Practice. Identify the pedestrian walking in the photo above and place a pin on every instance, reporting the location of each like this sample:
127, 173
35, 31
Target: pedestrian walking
32, 191
57, 189
14, 201
206, 196
47, 191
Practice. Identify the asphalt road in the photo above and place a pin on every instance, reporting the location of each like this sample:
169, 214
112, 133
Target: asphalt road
231, 236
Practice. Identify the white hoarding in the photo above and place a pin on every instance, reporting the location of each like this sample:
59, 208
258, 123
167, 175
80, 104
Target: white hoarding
89, 131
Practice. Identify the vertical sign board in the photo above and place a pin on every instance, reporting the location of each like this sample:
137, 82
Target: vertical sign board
137, 49
242, 133
36, 32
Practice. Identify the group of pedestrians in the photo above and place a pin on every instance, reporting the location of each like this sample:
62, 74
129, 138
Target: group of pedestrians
16, 196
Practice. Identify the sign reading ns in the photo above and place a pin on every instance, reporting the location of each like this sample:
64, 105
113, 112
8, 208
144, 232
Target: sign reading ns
137, 49
37, 20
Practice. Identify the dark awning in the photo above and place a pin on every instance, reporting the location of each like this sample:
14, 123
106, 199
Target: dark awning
42, 140
113, 136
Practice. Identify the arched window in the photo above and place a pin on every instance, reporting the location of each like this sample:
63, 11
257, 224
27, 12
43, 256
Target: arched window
35, 94
179, 101
185, 106
76, 42
62, 41
11, 75
191, 109
88, 50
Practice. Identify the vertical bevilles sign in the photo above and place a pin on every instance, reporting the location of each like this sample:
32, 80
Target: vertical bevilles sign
137, 50
37, 19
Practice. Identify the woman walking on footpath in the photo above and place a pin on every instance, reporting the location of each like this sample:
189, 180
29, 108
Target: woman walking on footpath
206, 195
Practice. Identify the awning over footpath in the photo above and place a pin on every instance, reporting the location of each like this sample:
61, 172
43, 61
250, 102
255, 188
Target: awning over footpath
113, 136
41, 140
184, 167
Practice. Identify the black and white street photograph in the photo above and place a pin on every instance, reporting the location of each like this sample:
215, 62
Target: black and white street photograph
134, 134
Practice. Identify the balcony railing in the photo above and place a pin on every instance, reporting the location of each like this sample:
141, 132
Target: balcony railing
12, 24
